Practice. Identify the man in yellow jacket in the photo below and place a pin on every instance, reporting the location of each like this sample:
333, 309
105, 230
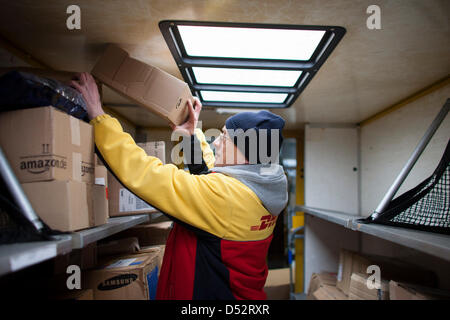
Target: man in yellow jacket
224, 210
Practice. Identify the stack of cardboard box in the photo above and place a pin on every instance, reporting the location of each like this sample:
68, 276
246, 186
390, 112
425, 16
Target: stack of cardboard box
126, 271
322, 286
52, 155
370, 277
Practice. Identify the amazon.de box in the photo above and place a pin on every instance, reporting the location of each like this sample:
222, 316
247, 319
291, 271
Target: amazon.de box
144, 84
44, 144
129, 277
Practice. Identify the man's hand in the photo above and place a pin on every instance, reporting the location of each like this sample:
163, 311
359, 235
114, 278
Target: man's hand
86, 85
189, 126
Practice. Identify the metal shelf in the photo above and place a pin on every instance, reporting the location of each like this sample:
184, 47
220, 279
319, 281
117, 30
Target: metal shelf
17, 256
341, 218
434, 244
82, 238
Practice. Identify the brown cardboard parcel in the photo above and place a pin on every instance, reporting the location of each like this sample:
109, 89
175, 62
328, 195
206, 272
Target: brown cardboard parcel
63, 205
159, 249
100, 205
277, 286
120, 246
403, 291
101, 175
44, 144
121, 201
390, 268
359, 290
147, 85
126, 277
148, 234
327, 292
318, 280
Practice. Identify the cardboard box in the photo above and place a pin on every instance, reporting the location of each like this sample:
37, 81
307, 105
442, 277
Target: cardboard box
360, 291
63, 205
318, 280
390, 268
327, 292
155, 149
148, 234
277, 286
129, 277
403, 291
100, 212
101, 175
154, 89
119, 247
159, 249
44, 144
122, 202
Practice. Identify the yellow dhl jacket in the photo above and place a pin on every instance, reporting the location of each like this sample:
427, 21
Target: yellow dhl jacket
229, 214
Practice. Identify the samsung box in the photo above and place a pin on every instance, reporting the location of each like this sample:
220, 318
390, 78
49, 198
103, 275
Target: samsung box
158, 249
129, 277
44, 144
154, 89
63, 205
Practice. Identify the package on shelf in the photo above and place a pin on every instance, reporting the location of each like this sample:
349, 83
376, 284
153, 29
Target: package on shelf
100, 213
360, 290
155, 149
128, 277
149, 234
44, 144
152, 88
327, 292
101, 175
121, 201
159, 249
318, 280
390, 269
119, 247
277, 286
404, 291
62, 205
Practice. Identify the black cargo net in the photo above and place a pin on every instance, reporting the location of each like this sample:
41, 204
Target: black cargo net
425, 207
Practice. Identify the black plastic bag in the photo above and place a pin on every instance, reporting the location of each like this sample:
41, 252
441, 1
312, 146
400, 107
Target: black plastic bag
22, 90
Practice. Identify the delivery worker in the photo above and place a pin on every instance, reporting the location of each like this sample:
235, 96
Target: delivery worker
224, 215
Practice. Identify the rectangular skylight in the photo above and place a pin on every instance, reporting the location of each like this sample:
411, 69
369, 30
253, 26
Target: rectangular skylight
248, 65
250, 43
255, 97
250, 77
